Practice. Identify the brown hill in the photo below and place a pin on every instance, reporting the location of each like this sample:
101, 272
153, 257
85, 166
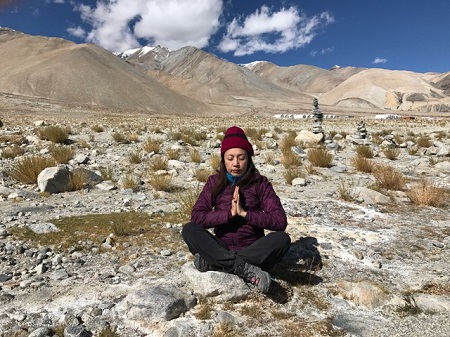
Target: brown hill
192, 81
384, 89
303, 78
205, 77
82, 73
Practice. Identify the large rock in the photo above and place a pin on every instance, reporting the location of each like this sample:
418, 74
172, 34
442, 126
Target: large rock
370, 197
432, 303
222, 286
54, 180
158, 303
309, 138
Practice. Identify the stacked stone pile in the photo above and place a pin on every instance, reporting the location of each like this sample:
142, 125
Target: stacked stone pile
317, 118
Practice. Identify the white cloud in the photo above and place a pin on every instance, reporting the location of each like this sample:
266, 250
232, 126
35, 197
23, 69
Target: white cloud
322, 52
379, 60
118, 24
78, 32
272, 32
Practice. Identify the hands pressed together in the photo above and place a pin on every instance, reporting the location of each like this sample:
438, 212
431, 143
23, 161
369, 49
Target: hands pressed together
236, 207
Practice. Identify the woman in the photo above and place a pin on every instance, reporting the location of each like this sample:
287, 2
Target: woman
239, 204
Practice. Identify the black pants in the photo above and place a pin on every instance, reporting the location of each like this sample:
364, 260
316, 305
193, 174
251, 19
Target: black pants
264, 253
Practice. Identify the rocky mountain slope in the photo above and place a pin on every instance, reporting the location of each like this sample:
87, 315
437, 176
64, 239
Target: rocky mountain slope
86, 74
191, 81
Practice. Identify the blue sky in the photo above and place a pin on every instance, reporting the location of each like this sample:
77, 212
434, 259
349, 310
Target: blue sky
390, 34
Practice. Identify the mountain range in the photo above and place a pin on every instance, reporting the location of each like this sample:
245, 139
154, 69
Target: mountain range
191, 81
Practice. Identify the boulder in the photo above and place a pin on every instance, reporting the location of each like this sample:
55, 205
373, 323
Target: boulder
54, 180
308, 137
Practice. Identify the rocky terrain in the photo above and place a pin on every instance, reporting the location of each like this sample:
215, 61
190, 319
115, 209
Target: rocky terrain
107, 259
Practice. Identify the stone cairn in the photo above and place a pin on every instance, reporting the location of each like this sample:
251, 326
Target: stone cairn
317, 118
361, 130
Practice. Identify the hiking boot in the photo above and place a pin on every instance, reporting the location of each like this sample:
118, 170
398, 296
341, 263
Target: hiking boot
255, 276
201, 264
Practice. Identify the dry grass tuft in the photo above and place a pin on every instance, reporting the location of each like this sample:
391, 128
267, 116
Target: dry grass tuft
288, 142
202, 174
426, 193
423, 142
159, 162
54, 134
79, 179
320, 157
134, 157
291, 173
290, 159
12, 152
160, 182
62, 154
195, 156
214, 161
362, 164
120, 138
388, 177
97, 128
391, 153
364, 151
152, 145
27, 169
173, 154
187, 201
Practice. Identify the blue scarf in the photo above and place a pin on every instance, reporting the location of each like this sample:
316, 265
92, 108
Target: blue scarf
232, 179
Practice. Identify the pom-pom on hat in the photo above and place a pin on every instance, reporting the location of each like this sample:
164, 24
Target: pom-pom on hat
236, 138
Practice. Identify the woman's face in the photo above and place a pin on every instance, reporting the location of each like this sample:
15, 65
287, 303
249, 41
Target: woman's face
236, 161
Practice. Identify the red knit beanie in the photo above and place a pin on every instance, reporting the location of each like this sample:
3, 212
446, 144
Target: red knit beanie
236, 138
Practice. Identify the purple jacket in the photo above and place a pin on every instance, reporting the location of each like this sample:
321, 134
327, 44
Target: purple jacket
264, 211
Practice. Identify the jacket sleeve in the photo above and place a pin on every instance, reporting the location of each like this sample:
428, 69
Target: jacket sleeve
203, 212
272, 216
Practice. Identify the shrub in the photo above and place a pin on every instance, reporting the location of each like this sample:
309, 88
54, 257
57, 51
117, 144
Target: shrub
54, 134
79, 179
187, 201
362, 164
288, 142
134, 138
173, 154
215, 160
291, 173
423, 142
202, 174
388, 177
391, 153
130, 181
195, 156
364, 151
176, 136
134, 157
12, 152
160, 182
62, 154
427, 194
120, 138
152, 145
377, 139
158, 162
290, 159
97, 128
345, 193
107, 173
268, 157
27, 169
320, 157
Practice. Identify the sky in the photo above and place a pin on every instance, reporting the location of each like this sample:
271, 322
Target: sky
390, 34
